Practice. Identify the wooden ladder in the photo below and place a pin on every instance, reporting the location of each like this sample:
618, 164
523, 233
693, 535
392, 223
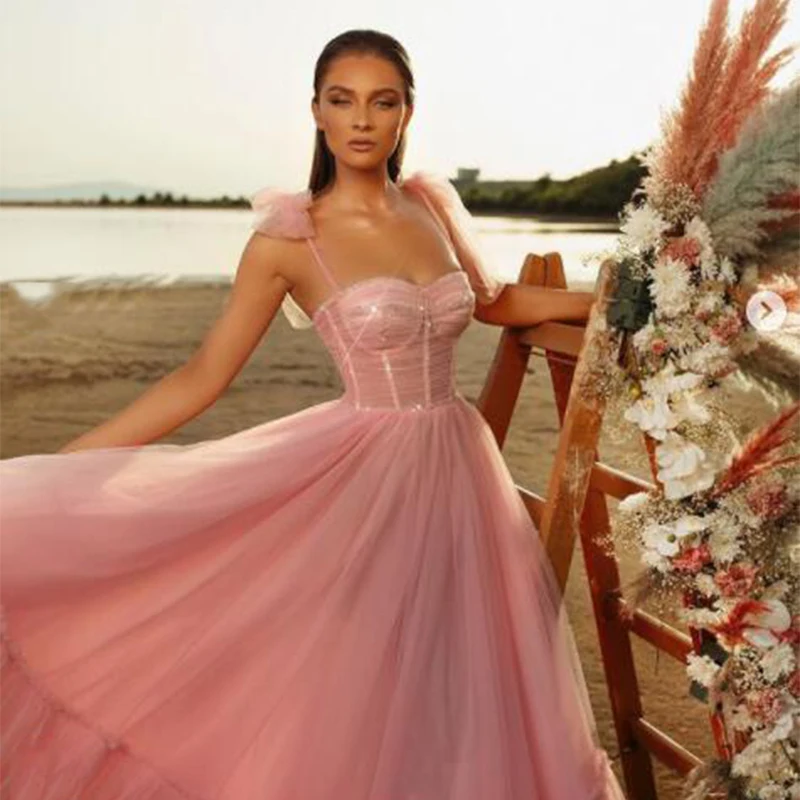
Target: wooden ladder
576, 506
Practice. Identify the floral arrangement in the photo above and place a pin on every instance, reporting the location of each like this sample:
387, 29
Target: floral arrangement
722, 528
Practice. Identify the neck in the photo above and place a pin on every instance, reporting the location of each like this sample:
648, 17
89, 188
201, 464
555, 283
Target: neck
366, 190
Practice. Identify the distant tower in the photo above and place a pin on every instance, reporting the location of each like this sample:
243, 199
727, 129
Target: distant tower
467, 175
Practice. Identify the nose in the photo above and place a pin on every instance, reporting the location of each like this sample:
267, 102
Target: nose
361, 119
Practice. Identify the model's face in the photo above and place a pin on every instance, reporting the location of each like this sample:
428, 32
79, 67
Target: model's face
362, 97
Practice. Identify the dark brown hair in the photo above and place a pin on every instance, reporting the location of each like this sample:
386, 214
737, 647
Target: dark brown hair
362, 42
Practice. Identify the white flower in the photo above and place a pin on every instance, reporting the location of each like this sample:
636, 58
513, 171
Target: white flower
754, 759
705, 584
709, 302
634, 502
653, 415
724, 544
686, 408
701, 669
778, 661
764, 624
784, 725
669, 381
643, 226
654, 559
697, 229
670, 288
666, 539
642, 338
683, 467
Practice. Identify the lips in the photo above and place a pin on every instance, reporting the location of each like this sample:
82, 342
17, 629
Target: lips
361, 144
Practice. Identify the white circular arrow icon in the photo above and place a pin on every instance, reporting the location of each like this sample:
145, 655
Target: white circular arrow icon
766, 310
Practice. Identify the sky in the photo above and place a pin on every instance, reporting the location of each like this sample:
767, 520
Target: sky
209, 97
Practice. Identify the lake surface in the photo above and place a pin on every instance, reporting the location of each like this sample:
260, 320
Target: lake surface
155, 245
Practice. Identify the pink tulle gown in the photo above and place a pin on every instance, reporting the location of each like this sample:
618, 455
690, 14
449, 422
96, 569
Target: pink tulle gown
346, 603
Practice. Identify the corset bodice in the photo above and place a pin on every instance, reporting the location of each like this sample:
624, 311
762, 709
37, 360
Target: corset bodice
394, 341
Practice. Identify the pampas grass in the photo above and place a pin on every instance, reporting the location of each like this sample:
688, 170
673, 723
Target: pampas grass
744, 84
685, 130
729, 79
760, 453
765, 162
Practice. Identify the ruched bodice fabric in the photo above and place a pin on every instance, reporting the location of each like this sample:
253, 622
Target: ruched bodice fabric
393, 341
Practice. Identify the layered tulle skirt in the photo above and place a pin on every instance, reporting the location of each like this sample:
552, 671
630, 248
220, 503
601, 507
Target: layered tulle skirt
338, 604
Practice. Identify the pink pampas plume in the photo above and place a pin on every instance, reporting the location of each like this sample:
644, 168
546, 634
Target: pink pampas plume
728, 80
684, 129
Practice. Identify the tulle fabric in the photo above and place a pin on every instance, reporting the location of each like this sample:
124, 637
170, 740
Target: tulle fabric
461, 227
284, 214
333, 604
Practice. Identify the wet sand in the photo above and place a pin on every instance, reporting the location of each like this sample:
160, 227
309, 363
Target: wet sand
68, 365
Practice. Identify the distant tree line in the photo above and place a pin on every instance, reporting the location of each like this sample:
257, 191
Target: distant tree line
600, 192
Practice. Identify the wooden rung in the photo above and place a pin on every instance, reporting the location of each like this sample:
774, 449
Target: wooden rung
558, 337
654, 630
533, 502
617, 484
663, 747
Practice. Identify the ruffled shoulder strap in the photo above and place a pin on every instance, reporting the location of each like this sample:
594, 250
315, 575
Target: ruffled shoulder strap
282, 214
446, 205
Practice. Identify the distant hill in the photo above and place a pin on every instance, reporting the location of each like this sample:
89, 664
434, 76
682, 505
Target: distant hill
87, 191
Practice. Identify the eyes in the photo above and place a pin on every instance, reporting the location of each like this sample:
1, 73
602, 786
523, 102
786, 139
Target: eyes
338, 101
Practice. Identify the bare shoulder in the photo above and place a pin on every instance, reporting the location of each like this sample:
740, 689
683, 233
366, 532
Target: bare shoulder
276, 258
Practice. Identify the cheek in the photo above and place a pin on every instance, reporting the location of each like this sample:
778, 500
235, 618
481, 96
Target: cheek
337, 125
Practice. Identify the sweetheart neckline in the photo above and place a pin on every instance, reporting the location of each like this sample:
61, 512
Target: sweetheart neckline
414, 287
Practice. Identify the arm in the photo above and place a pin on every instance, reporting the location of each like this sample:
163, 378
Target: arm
520, 305
184, 393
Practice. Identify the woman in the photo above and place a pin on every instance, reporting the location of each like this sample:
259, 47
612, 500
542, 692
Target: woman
348, 602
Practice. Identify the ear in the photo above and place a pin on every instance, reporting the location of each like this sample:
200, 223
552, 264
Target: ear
315, 112
409, 114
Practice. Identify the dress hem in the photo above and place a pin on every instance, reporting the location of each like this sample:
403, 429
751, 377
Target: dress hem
36, 713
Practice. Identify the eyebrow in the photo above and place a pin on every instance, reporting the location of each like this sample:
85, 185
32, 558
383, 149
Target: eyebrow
336, 86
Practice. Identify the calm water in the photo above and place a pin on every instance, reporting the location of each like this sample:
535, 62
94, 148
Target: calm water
162, 245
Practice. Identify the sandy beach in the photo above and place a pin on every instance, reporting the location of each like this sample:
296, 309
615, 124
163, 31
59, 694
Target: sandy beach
68, 365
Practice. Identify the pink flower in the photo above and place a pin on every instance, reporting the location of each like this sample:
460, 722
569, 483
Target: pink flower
659, 347
768, 499
794, 683
703, 314
727, 328
684, 248
765, 706
693, 559
736, 581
